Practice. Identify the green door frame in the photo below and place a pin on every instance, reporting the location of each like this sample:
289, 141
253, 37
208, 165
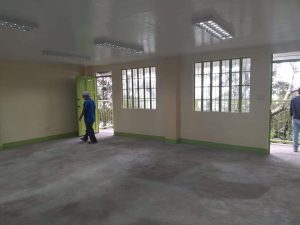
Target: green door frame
83, 84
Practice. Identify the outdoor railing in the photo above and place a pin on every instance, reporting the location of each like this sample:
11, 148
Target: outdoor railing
281, 127
105, 113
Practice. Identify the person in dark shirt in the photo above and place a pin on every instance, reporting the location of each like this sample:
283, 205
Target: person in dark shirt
295, 114
88, 112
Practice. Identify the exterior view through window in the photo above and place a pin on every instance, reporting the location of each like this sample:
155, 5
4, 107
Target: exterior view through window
139, 88
222, 86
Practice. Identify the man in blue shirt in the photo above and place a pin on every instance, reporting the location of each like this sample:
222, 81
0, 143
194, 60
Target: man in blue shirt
295, 114
88, 112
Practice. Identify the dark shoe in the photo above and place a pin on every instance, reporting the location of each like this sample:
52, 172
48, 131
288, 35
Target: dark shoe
92, 142
83, 140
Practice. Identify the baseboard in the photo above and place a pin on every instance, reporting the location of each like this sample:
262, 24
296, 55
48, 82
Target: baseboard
225, 146
142, 136
38, 140
196, 142
172, 141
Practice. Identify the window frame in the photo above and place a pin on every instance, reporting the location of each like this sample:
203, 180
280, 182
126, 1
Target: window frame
152, 88
241, 85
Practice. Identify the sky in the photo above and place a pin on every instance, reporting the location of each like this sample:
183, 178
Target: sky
285, 73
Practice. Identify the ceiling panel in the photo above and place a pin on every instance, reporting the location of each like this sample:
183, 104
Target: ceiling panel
162, 27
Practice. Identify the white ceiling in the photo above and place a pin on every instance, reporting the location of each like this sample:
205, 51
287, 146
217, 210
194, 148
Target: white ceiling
162, 27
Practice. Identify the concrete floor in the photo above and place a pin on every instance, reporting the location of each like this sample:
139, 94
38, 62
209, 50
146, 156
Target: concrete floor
123, 181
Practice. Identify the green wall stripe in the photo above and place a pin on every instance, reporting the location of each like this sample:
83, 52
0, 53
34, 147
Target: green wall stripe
38, 140
224, 146
147, 137
172, 141
196, 142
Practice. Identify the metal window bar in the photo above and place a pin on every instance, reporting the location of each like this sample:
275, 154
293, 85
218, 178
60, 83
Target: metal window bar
240, 98
211, 86
220, 85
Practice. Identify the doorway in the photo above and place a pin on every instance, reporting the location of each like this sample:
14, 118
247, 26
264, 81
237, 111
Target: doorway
285, 83
105, 102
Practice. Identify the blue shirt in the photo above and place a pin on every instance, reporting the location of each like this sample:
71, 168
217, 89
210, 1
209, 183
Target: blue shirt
89, 111
295, 108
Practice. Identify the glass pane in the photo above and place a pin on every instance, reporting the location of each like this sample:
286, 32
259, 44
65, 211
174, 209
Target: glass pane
247, 64
235, 79
198, 93
142, 104
246, 92
198, 81
153, 103
197, 105
153, 72
216, 80
124, 74
234, 105
215, 93
206, 105
225, 66
235, 92
147, 93
124, 94
225, 105
124, 103
207, 68
215, 105
153, 93
225, 93
225, 80
136, 103
246, 106
206, 92
198, 68
235, 65
246, 78
216, 67
147, 103
153, 82
130, 103
206, 81
141, 93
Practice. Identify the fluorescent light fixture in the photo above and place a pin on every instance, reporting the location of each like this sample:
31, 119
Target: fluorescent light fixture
214, 29
119, 46
17, 24
64, 54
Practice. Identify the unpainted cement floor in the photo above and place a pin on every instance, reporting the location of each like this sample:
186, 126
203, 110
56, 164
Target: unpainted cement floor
124, 181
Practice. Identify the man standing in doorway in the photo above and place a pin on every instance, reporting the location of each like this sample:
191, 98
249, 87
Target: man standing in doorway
88, 112
295, 114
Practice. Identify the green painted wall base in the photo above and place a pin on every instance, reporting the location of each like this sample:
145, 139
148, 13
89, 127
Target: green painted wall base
38, 140
172, 141
195, 142
225, 146
142, 136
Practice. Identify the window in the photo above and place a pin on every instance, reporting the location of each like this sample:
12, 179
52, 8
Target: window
223, 86
139, 88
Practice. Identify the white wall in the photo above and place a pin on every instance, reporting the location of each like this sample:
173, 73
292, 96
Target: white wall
36, 100
175, 117
244, 129
159, 122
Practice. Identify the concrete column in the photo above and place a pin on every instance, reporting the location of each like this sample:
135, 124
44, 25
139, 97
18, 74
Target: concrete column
171, 98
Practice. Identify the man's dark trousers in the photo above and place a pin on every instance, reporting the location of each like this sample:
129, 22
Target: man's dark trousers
89, 133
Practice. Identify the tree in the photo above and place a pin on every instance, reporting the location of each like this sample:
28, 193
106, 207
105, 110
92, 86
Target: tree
284, 90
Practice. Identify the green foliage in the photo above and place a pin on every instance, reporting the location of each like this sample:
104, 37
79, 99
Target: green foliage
279, 89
